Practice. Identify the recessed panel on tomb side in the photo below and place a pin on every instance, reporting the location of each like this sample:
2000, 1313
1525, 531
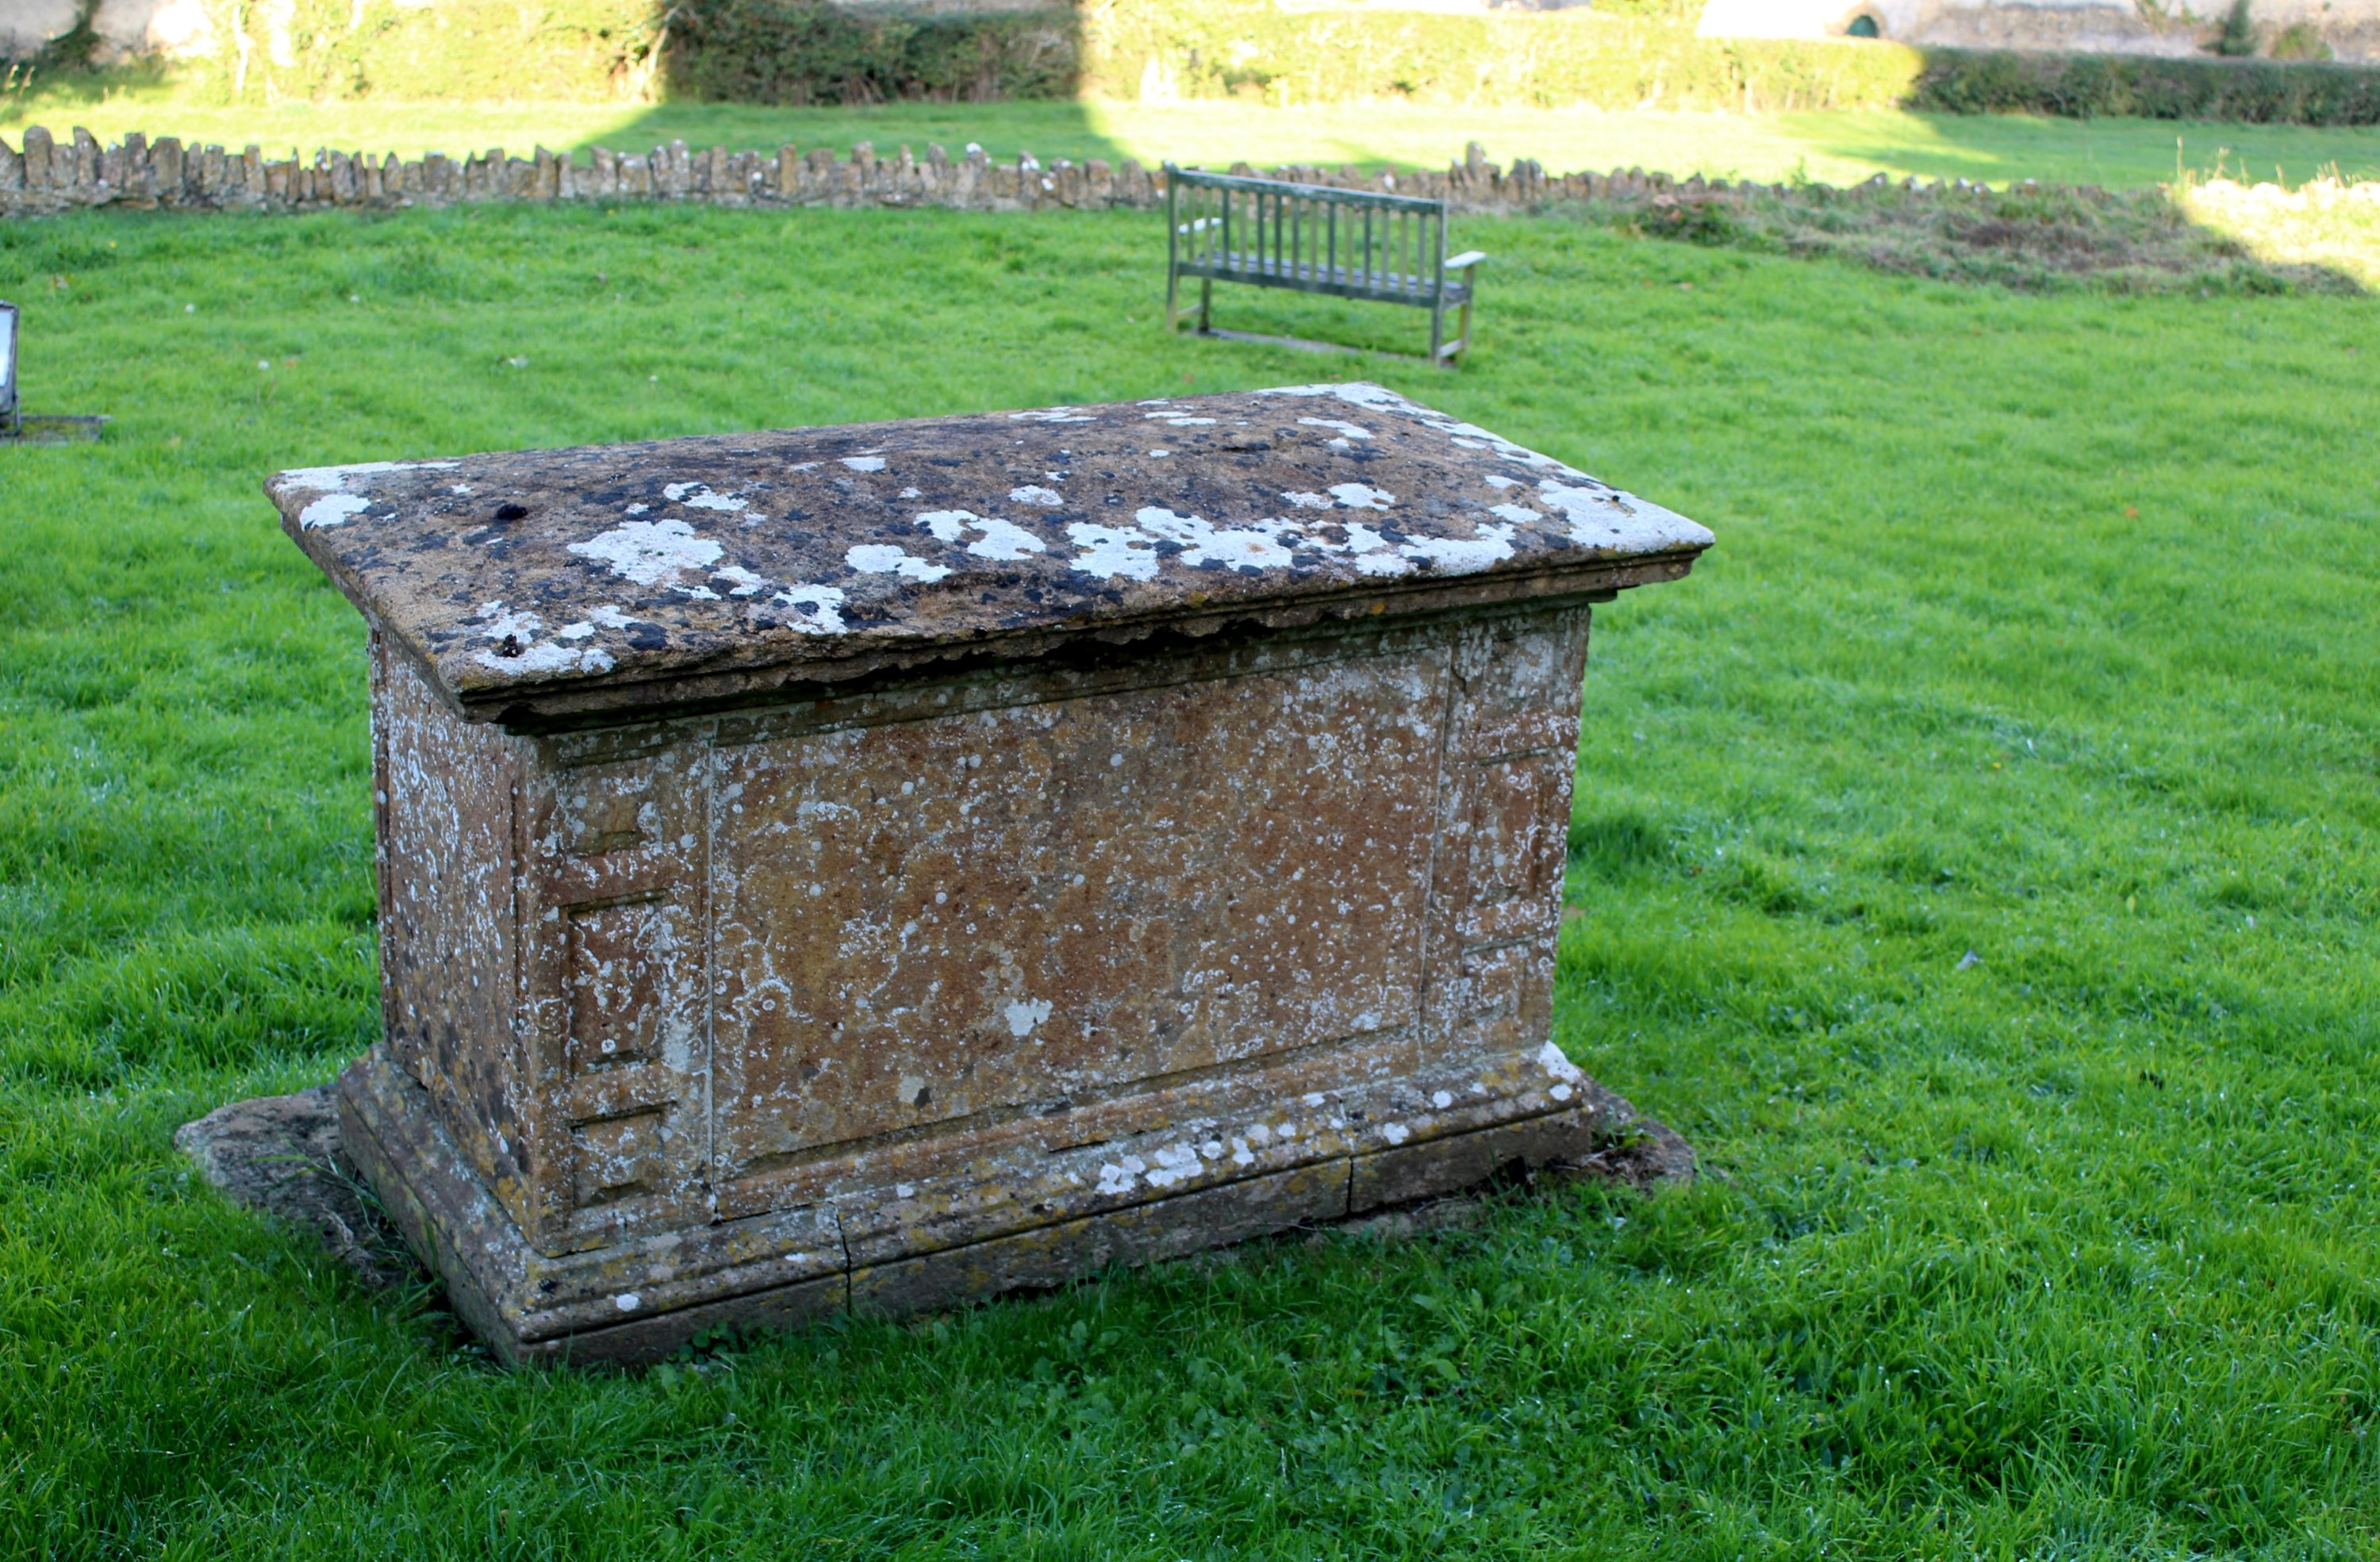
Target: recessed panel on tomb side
975, 915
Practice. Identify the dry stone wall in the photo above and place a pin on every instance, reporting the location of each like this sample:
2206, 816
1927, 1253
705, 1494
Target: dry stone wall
45, 175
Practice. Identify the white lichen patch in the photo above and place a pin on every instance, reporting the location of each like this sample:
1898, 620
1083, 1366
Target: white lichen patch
513, 648
1370, 552
1361, 496
341, 503
604, 617
1178, 420
1034, 493
1024, 1014
331, 510
699, 496
1468, 436
498, 622
548, 657
1519, 514
1136, 553
1455, 555
864, 462
741, 582
1174, 1163
883, 558
818, 609
1117, 1177
1395, 1132
1350, 430
1601, 516
1598, 515
1052, 415
650, 552
995, 538
1552, 1058
1255, 546
335, 479
1309, 501
1109, 553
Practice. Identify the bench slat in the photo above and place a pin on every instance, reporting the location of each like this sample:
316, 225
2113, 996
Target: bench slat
1314, 238
1264, 273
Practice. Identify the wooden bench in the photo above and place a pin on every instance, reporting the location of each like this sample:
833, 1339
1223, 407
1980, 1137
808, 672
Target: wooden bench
1313, 238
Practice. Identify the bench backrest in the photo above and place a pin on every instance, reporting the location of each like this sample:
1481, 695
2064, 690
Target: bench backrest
1310, 236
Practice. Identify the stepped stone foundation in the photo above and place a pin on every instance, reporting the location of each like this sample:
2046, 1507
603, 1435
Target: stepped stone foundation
877, 867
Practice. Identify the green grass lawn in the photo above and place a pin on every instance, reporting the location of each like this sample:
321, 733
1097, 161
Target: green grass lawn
1836, 148
2039, 627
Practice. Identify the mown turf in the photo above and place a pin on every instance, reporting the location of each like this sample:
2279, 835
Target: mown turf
1835, 147
2040, 630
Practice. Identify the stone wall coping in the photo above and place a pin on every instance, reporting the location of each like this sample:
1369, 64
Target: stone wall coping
45, 175
549, 585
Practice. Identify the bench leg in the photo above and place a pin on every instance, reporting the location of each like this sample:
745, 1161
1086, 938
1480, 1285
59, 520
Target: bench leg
1206, 305
1461, 343
1436, 330
1172, 301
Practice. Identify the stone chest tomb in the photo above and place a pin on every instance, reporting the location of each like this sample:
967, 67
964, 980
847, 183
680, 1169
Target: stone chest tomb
866, 867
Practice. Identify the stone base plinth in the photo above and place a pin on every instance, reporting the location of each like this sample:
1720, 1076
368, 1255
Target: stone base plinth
1018, 1215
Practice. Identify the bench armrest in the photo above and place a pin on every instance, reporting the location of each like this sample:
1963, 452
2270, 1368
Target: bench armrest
1465, 260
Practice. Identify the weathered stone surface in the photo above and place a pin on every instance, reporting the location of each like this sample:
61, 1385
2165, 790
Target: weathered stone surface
628, 1306
556, 583
281, 1154
871, 866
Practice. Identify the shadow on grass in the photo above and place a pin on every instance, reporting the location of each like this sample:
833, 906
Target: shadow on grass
1050, 130
771, 72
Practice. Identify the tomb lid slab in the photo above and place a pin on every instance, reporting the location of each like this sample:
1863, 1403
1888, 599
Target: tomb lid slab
543, 586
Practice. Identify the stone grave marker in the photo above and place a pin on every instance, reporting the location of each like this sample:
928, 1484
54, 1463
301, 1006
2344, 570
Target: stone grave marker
875, 866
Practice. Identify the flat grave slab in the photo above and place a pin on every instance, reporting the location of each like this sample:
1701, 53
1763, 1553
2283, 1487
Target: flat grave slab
875, 866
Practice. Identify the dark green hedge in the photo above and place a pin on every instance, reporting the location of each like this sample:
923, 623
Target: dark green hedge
1622, 55
2084, 85
806, 50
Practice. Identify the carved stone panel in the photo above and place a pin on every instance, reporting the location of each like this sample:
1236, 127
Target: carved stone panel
1009, 910
613, 963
